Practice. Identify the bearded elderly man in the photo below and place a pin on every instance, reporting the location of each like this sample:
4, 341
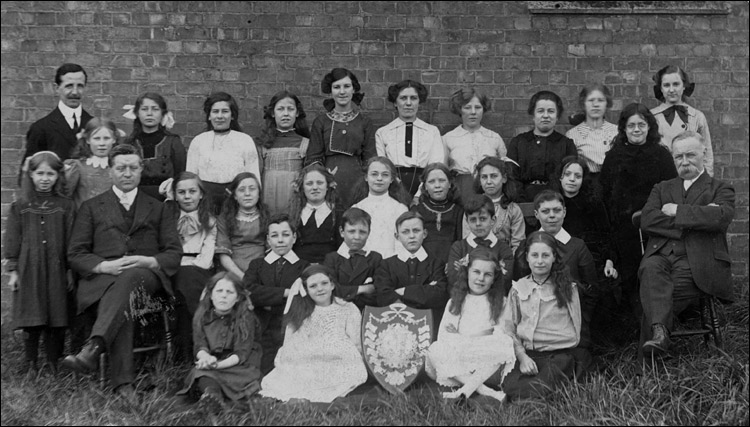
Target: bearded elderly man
687, 256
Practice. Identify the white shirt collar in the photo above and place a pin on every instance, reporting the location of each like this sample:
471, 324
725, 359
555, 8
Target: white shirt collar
687, 183
290, 256
491, 237
98, 162
385, 195
344, 251
403, 254
321, 213
418, 123
68, 112
562, 236
123, 196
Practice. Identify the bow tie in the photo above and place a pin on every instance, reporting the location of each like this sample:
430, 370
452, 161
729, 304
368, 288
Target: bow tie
681, 111
483, 242
357, 252
188, 226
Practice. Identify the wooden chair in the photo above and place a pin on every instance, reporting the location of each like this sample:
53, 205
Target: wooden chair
155, 324
710, 325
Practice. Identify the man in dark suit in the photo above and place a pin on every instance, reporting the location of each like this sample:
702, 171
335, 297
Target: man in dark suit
57, 130
687, 256
124, 243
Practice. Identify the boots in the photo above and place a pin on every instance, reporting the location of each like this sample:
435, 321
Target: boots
658, 345
87, 359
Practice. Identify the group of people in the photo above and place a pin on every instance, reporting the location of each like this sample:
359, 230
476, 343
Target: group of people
273, 249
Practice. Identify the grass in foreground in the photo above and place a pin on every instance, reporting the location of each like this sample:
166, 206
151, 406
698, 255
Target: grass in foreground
698, 386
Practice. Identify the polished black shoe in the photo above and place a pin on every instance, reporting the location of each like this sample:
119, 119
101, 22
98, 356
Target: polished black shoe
87, 359
658, 345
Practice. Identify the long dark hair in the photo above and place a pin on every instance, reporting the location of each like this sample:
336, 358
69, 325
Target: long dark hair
335, 75
269, 132
451, 182
243, 317
82, 149
590, 190
233, 107
559, 275
461, 287
629, 111
137, 132
396, 190
230, 207
303, 307
511, 188
27, 184
205, 217
298, 198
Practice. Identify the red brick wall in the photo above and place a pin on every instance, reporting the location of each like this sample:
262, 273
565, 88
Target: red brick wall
184, 50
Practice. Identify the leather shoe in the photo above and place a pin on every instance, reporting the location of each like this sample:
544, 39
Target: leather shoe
87, 359
658, 345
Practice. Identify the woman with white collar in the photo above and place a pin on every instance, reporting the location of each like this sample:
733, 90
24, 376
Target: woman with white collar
674, 116
313, 213
410, 143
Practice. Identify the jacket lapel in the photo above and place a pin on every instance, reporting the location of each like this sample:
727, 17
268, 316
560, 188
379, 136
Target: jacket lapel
142, 210
61, 126
110, 212
697, 188
677, 191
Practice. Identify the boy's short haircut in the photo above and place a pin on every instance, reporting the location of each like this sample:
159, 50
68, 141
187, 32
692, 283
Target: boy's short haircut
548, 196
407, 216
476, 203
281, 218
353, 216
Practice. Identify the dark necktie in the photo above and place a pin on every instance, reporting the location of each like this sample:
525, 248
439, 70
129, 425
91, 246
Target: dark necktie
482, 242
681, 111
353, 252
75, 123
408, 139
279, 267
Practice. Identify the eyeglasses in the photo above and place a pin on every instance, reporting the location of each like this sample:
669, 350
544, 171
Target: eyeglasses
641, 126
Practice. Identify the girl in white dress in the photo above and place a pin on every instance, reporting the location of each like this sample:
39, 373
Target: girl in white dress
321, 358
472, 350
383, 197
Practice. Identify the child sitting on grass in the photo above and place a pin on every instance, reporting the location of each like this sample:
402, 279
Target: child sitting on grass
543, 316
227, 355
471, 345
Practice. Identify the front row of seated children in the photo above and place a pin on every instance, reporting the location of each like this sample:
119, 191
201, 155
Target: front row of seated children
486, 343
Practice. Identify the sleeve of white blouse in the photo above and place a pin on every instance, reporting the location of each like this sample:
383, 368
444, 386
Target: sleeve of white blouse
703, 130
517, 226
502, 150
448, 319
510, 318
205, 258
252, 159
380, 143
193, 156
353, 326
437, 153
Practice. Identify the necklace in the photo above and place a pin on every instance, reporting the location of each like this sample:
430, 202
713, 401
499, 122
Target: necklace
538, 283
248, 216
438, 214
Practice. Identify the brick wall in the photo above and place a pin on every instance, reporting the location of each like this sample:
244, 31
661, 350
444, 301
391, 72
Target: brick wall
184, 50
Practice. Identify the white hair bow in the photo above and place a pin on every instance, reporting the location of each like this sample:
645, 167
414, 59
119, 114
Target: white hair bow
167, 121
297, 289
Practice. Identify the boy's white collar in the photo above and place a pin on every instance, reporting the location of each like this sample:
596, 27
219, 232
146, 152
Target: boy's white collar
403, 254
344, 251
491, 237
290, 256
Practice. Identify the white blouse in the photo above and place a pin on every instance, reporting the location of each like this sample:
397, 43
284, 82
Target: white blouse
218, 158
384, 211
427, 143
465, 149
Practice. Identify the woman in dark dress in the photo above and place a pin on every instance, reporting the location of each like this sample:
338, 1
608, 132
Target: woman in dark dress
343, 139
632, 167
539, 151
314, 214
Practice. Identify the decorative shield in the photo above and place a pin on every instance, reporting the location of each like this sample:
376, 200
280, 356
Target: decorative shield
395, 339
